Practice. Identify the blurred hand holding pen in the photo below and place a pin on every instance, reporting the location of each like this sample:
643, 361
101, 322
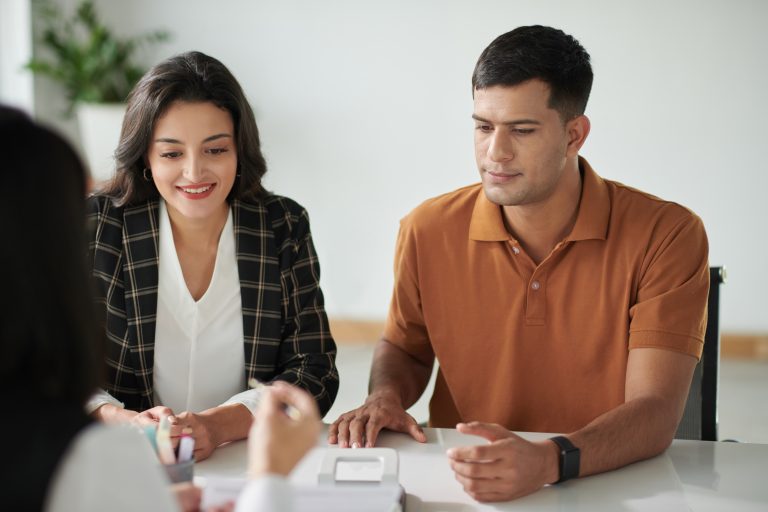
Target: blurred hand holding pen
290, 410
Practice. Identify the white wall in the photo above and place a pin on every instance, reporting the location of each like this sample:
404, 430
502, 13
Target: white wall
15, 51
364, 112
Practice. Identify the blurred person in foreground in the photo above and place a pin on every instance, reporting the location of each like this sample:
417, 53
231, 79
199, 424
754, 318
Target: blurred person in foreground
57, 457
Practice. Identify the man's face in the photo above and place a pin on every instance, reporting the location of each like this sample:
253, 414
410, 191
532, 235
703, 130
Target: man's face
521, 144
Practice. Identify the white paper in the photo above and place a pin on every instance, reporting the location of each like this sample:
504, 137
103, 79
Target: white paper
339, 498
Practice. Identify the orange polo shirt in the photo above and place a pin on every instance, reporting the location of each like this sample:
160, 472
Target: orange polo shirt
544, 348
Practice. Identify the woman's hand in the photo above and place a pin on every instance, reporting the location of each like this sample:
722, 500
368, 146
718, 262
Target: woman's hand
277, 440
203, 431
112, 414
215, 426
151, 417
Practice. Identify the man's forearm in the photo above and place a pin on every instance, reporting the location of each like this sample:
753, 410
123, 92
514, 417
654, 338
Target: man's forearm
396, 372
656, 389
634, 431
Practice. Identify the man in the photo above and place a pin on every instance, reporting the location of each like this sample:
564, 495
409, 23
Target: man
553, 300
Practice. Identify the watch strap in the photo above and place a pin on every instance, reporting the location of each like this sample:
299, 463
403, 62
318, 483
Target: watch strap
570, 458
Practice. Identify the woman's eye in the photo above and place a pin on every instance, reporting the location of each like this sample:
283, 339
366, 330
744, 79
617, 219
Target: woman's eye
170, 154
217, 151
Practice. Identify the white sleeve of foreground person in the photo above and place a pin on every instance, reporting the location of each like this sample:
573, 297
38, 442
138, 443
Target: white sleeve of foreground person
110, 468
269, 493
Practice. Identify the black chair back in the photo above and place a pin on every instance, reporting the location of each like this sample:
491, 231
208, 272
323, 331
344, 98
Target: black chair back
700, 417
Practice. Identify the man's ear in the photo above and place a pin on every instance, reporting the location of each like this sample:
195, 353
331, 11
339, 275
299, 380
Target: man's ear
577, 130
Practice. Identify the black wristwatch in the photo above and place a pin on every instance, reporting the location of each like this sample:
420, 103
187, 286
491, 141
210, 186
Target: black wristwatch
570, 457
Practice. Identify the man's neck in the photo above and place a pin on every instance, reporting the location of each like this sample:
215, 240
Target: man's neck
539, 227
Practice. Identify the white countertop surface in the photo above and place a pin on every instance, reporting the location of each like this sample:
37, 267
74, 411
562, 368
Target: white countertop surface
690, 475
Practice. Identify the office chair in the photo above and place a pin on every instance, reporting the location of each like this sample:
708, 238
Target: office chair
700, 417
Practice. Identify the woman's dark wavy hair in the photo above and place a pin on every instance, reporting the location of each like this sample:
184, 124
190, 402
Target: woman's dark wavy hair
190, 77
50, 345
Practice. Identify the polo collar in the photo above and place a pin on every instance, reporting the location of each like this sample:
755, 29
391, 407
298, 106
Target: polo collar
594, 207
487, 223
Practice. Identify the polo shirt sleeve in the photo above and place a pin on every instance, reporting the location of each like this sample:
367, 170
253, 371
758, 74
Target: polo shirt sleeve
405, 326
671, 307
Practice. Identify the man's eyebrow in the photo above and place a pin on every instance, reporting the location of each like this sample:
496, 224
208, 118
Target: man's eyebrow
207, 139
507, 123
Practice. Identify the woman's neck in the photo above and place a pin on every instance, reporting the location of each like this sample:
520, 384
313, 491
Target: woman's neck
198, 233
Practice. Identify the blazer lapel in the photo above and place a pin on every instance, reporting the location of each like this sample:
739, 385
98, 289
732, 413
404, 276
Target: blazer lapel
260, 290
140, 277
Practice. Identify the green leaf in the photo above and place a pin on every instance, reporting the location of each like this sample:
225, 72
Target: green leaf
84, 56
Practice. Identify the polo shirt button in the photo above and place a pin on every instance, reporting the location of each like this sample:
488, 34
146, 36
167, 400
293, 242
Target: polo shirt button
515, 250
535, 285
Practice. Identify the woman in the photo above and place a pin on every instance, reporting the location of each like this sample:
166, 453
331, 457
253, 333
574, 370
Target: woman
57, 458
206, 280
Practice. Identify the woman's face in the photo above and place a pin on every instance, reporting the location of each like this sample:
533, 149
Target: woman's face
193, 158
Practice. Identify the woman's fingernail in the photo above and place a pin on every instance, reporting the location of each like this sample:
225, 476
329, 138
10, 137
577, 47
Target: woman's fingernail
355, 445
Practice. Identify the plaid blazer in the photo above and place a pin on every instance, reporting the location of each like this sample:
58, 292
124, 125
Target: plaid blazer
285, 328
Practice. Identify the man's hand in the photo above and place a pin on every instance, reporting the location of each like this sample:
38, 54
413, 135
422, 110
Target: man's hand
360, 427
507, 468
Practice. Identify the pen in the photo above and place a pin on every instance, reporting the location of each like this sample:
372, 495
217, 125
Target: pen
150, 431
186, 445
290, 410
163, 439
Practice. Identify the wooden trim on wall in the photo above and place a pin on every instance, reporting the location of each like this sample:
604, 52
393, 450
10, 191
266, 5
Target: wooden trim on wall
732, 346
744, 346
355, 332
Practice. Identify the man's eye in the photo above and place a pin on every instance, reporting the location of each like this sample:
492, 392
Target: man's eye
522, 131
170, 154
484, 128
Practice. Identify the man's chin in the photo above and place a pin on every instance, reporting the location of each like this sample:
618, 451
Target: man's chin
498, 195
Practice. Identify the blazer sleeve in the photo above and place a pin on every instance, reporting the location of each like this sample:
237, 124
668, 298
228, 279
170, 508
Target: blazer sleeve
307, 354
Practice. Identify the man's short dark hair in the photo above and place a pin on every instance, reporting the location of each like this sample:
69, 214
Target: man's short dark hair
544, 53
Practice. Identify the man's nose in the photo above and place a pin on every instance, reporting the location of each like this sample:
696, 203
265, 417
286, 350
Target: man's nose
500, 148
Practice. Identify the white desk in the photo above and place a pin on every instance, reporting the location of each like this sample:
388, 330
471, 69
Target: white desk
691, 475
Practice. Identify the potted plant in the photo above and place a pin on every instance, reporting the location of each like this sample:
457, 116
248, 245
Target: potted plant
97, 71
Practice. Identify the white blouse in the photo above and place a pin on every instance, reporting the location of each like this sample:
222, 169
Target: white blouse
199, 359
